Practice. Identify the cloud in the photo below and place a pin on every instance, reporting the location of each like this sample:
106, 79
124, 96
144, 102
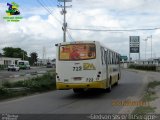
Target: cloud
40, 29
31, 34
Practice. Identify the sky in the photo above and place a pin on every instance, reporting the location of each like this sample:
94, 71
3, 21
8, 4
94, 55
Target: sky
41, 26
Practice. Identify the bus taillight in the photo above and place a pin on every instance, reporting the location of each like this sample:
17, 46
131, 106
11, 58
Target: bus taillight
98, 76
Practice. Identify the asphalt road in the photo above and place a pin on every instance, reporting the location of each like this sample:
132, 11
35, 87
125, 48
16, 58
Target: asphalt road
65, 101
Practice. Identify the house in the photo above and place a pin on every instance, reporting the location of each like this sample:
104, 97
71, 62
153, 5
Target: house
8, 61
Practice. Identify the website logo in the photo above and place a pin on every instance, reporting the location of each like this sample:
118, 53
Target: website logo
13, 13
12, 9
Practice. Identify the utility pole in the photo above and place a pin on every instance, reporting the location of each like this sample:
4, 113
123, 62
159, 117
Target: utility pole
23, 55
145, 46
44, 56
151, 45
63, 12
64, 22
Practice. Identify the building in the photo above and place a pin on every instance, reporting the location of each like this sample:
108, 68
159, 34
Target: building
45, 61
153, 61
8, 61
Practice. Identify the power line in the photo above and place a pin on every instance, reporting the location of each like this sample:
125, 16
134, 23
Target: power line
118, 30
49, 11
70, 36
46, 5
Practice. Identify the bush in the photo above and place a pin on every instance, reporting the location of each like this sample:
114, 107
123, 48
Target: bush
3, 91
153, 84
143, 67
42, 83
39, 84
2, 67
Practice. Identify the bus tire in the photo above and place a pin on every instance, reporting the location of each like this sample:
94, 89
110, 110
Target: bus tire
118, 77
78, 90
117, 80
116, 83
109, 89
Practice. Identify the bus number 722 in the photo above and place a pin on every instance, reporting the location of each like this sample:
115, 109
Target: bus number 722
77, 68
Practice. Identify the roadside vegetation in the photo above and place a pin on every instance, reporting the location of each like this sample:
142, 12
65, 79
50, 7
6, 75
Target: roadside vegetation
143, 67
38, 84
2, 67
153, 84
149, 96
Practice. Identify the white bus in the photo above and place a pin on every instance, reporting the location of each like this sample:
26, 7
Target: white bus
86, 64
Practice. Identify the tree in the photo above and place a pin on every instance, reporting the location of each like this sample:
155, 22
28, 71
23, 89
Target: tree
15, 53
0, 54
33, 58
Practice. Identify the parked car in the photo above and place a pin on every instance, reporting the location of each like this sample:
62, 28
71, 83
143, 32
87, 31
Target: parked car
13, 67
23, 64
49, 65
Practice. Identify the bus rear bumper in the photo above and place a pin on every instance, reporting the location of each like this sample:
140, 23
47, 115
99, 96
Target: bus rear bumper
96, 84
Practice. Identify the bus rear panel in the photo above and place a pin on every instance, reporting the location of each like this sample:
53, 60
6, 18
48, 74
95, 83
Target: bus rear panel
79, 66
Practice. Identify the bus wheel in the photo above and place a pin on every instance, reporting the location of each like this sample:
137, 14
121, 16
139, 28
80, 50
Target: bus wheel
116, 83
117, 80
78, 90
110, 86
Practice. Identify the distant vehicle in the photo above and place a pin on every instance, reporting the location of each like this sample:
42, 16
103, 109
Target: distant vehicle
13, 67
49, 65
23, 64
86, 64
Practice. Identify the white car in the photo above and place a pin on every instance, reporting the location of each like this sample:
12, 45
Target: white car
13, 67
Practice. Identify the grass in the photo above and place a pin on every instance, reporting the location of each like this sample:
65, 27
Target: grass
148, 96
151, 95
153, 84
35, 85
5, 93
144, 110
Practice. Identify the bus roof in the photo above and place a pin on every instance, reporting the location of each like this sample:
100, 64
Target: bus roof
75, 42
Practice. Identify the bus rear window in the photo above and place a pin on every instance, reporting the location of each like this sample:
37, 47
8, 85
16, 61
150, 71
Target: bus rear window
77, 52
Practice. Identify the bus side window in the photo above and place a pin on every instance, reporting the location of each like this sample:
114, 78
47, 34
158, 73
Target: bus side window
111, 57
103, 55
116, 59
106, 56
